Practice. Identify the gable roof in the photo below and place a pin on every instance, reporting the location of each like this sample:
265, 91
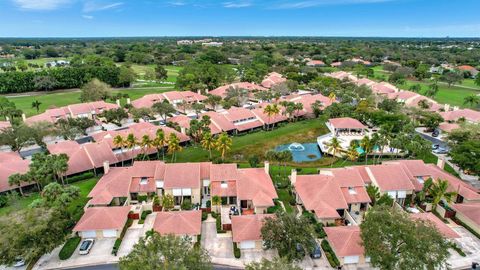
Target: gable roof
469, 210
345, 240
321, 194
272, 79
222, 91
256, 185
103, 218
11, 163
182, 175
248, 227
83, 157
178, 222
390, 177
346, 122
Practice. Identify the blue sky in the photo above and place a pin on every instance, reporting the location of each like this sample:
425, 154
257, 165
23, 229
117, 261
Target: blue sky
98, 18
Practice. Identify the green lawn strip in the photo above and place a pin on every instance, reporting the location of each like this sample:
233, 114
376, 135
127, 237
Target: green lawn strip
23, 202
50, 100
258, 142
69, 247
453, 95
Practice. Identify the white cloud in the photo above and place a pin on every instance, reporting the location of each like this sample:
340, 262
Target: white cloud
177, 3
316, 3
88, 17
91, 6
239, 4
41, 4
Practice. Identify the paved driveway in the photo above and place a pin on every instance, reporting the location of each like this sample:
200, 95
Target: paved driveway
220, 246
469, 244
101, 253
131, 237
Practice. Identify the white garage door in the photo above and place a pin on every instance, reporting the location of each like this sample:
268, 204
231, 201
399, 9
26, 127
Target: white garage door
247, 244
109, 233
351, 259
89, 234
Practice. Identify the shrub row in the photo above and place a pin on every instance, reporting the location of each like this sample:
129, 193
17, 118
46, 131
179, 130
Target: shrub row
144, 216
236, 251
69, 247
66, 78
331, 257
80, 177
119, 240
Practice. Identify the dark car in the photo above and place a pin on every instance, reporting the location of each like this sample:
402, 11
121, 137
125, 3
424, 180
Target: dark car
435, 133
435, 146
316, 252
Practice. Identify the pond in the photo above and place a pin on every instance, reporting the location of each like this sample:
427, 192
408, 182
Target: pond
301, 152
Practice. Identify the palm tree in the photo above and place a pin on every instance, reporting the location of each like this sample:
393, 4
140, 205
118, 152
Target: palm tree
17, 179
439, 190
145, 144
298, 107
472, 100
373, 192
216, 201
366, 144
119, 142
334, 147
271, 110
36, 105
60, 165
223, 144
159, 142
352, 153
332, 96
208, 142
174, 146
131, 142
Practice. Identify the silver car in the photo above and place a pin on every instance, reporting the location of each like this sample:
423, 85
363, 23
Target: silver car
85, 246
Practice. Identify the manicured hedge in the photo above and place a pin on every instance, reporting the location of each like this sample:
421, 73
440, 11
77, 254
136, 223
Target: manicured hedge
144, 216
236, 251
80, 177
69, 247
331, 257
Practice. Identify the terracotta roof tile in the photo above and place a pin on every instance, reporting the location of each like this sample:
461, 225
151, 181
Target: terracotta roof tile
248, 227
103, 218
178, 223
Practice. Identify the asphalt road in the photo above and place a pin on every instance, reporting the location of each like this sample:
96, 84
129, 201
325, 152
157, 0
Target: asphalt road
115, 267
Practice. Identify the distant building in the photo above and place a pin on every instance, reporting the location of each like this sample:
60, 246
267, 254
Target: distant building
212, 44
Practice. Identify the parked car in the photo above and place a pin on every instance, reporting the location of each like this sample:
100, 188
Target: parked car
316, 252
86, 246
435, 133
19, 263
435, 146
440, 151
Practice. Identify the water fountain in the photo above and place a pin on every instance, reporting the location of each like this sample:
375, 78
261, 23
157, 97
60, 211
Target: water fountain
297, 147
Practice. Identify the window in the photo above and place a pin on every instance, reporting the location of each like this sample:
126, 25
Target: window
143, 181
420, 179
224, 184
352, 191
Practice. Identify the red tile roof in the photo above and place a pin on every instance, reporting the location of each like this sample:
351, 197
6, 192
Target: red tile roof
103, 218
248, 227
443, 228
178, 223
321, 194
345, 240
346, 122
83, 157
448, 127
256, 185
390, 177
5, 124
251, 87
11, 163
272, 79
468, 114
182, 175
147, 101
469, 210
314, 63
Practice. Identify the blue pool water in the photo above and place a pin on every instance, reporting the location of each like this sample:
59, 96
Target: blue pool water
301, 152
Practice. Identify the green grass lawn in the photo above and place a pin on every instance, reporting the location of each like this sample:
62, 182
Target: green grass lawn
258, 142
453, 95
23, 202
51, 100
